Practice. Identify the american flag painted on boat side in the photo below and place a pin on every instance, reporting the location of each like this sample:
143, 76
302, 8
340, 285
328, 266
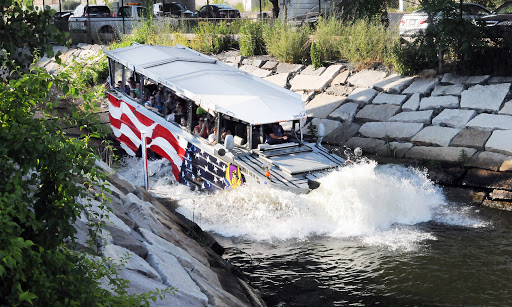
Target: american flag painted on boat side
189, 163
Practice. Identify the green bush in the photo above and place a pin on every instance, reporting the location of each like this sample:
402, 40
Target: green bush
365, 43
316, 59
416, 55
251, 38
43, 175
451, 43
287, 43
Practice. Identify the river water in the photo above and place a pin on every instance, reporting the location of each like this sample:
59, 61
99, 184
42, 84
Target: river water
370, 235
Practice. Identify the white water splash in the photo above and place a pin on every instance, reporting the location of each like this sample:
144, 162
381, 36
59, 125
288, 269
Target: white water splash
362, 200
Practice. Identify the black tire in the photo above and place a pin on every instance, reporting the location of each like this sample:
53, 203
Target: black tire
107, 35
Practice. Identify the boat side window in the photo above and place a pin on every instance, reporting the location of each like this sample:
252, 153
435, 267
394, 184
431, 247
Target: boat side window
236, 128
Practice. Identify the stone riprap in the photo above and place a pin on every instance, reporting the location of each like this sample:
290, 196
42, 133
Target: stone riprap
445, 118
163, 255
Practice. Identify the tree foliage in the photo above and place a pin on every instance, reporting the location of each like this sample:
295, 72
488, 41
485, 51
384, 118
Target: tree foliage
43, 175
362, 9
449, 37
25, 32
46, 179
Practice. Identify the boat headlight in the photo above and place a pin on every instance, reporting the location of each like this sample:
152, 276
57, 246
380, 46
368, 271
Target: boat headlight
358, 152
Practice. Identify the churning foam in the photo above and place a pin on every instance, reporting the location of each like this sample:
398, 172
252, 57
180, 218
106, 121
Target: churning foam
364, 200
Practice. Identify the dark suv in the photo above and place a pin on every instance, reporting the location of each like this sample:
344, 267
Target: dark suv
218, 11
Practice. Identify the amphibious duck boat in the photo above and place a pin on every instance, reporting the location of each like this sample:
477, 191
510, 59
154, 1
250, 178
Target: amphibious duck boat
194, 88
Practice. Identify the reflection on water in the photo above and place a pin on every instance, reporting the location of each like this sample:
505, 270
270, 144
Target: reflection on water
369, 235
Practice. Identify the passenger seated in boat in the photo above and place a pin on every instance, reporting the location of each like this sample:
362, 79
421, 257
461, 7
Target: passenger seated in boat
132, 84
225, 132
202, 128
134, 96
179, 113
275, 134
183, 122
212, 138
153, 105
137, 90
169, 104
120, 87
159, 97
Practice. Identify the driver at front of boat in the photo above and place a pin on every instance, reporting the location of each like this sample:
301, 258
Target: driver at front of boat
275, 134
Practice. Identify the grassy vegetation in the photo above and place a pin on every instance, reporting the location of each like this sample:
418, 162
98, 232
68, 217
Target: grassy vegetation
287, 43
362, 43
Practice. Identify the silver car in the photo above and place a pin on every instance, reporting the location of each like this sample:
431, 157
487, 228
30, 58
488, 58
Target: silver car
417, 22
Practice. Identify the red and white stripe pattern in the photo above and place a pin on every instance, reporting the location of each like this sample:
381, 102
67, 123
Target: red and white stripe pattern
127, 124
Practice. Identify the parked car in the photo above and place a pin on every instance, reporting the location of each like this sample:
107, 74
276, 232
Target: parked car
311, 16
418, 21
172, 9
107, 28
60, 19
218, 11
500, 20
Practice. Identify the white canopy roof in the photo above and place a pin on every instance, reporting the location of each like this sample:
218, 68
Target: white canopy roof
212, 84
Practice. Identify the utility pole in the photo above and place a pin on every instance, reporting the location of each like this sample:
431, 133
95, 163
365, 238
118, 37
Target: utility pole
401, 5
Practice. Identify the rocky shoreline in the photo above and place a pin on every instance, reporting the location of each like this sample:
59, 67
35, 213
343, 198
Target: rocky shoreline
164, 249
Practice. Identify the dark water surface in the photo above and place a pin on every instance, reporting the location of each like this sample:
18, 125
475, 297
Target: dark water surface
370, 235
461, 266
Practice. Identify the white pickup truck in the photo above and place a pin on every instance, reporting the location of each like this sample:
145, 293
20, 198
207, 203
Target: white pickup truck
95, 23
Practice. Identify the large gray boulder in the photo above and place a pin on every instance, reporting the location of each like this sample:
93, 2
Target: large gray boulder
323, 105
500, 142
485, 97
385, 98
422, 86
491, 122
439, 102
453, 118
423, 117
377, 112
362, 95
435, 136
393, 84
473, 138
366, 78
444, 154
392, 130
